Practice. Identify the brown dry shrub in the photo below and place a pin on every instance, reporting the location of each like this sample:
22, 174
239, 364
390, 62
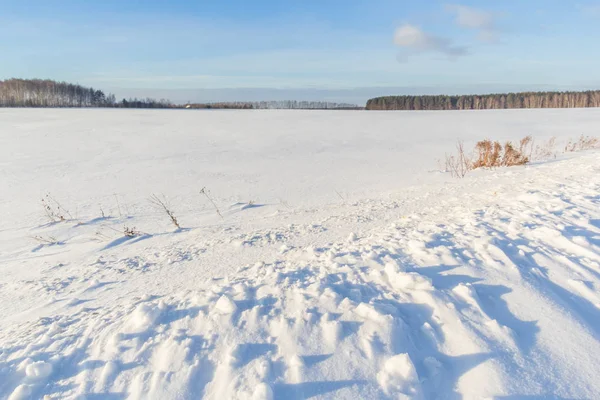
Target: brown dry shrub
458, 165
131, 231
513, 156
493, 154
489, 154
161, 204
54, 210
545, 151
584, 143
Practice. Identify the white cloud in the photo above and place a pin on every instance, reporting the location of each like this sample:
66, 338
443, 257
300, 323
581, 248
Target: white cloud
473, 18
413, 38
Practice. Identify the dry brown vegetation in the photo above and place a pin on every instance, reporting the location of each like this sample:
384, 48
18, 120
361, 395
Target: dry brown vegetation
46, 240
206, 194
493, 154
131, 231
54, 210
489, 154
545, 150
458, 165
583, 143
161, 204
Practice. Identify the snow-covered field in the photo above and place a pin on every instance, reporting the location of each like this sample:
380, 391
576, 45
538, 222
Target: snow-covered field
341, 264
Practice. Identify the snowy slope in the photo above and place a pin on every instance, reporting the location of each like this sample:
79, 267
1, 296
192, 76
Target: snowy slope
404, 284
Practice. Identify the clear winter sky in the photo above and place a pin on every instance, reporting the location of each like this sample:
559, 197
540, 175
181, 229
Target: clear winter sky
315, 49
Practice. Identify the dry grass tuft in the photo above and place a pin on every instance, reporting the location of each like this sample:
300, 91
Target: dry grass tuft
54, 210
46, 240
458, 165
583, 143
131, 231
204, 191
493, 154
517, 156
545, 151
489, 154
161, 204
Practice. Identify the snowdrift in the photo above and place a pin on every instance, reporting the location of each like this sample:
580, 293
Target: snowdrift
341, 263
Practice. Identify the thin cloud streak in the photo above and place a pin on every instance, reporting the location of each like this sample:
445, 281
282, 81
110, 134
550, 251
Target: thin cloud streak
472, 18
413, 38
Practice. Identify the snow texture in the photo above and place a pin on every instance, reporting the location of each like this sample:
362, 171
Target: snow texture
341, 263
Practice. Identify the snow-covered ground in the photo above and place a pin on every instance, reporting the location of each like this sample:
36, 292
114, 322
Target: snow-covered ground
343, 263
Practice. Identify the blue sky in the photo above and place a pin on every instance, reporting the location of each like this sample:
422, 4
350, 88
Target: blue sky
177, 48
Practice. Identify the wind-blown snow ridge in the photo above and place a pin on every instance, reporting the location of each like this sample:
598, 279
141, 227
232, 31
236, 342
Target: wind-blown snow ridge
489, 294
337, 266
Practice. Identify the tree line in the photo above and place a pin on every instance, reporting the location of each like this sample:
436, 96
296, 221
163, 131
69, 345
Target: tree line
49, 93
277, 105
489, 101
302, 105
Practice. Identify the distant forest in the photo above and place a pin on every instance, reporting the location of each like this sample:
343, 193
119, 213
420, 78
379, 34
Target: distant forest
279, 105
48, 93
489, 101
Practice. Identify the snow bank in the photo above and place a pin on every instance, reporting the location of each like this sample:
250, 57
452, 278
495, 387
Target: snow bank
395, 287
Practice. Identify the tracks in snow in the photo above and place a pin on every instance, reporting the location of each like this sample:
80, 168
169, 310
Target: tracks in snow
495, 297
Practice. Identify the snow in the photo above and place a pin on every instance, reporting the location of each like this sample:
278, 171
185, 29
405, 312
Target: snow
38, 370
399, 379
225, 305
21, 392
341, 262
